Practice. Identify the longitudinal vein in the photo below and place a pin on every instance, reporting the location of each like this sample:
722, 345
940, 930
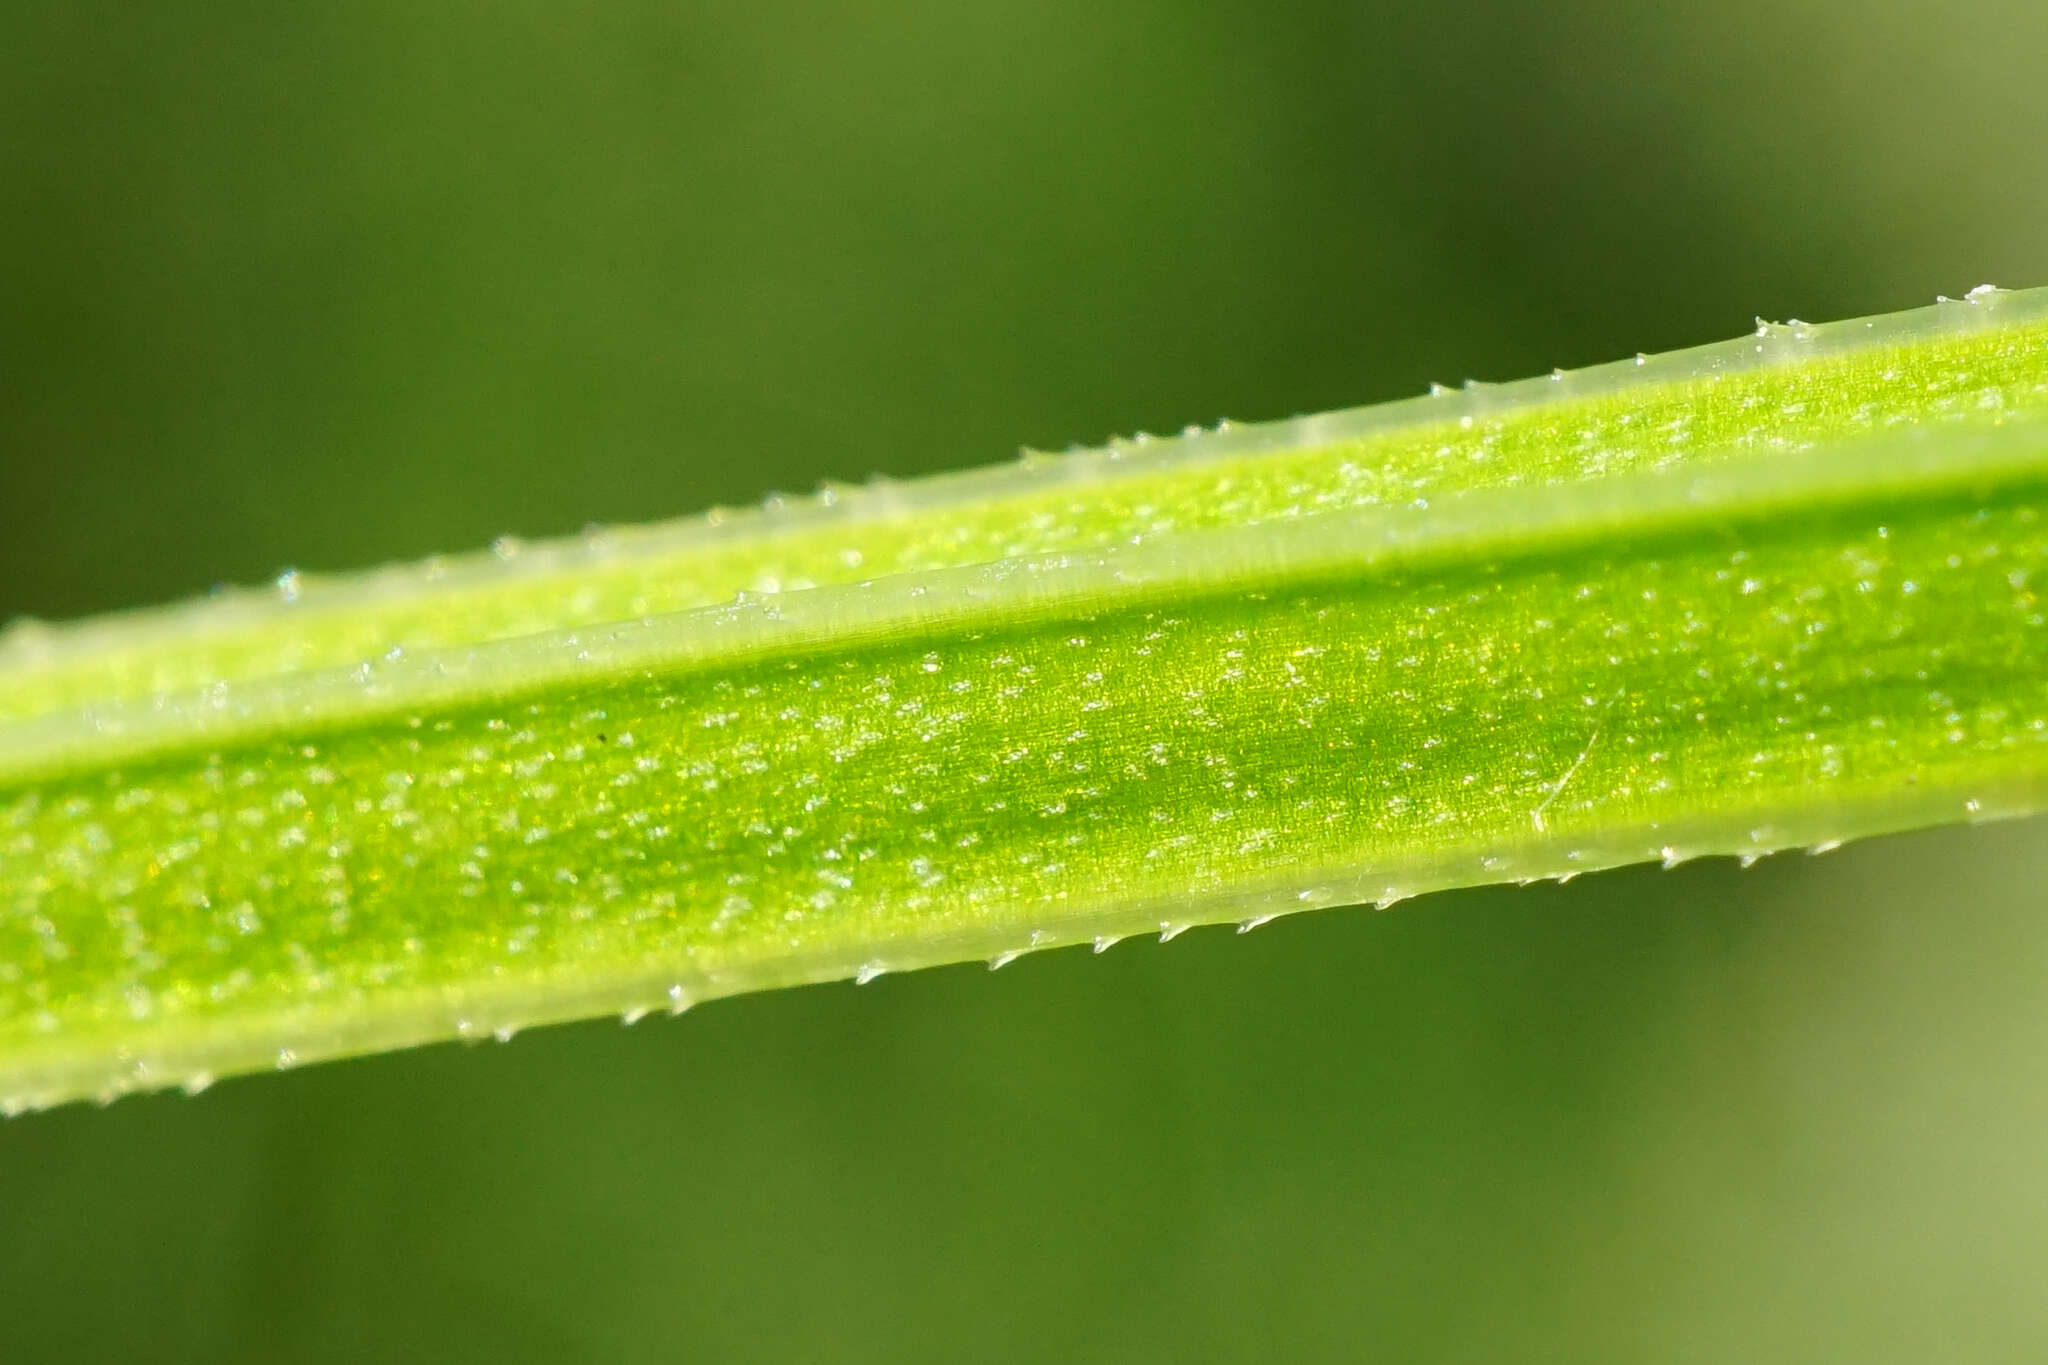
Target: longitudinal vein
1779, 592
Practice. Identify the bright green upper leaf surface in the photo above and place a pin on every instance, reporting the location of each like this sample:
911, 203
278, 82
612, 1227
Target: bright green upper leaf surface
1777, 592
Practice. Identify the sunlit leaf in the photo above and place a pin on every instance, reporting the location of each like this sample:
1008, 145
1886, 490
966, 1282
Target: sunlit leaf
1774, 593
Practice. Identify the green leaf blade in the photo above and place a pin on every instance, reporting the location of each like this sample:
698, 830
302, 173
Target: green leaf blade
1754, 644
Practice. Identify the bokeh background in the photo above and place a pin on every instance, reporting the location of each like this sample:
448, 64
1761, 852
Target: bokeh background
320, 285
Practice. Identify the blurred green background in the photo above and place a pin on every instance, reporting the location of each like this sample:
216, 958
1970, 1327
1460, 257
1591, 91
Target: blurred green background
321, 285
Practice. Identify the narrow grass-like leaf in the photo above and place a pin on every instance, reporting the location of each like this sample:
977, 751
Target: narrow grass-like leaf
1773, 593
